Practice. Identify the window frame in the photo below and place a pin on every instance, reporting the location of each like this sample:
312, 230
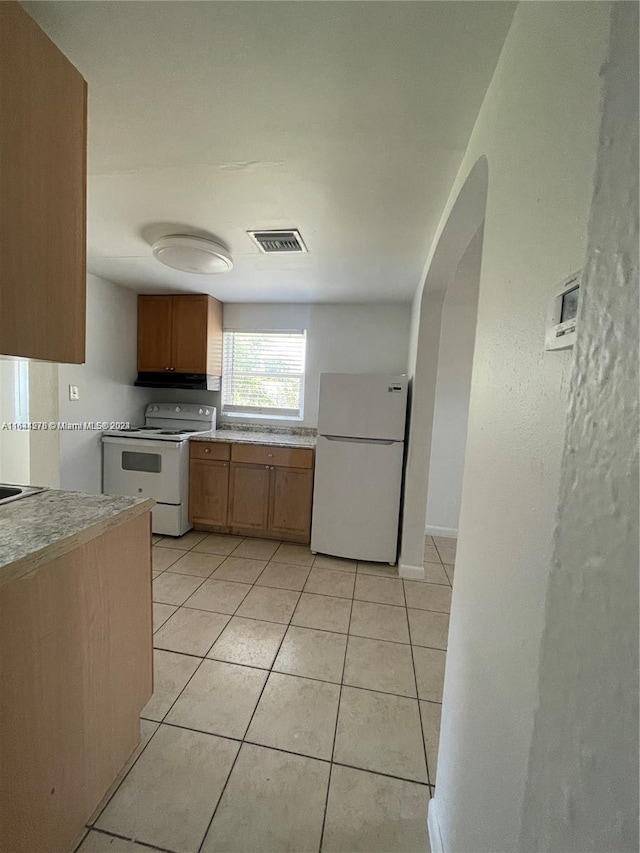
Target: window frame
263, 412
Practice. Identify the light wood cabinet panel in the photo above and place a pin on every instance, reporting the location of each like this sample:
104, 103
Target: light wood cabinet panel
154, 333
268, 500
290, 502
266, 454
76, 670
208, 492
249, 488
181, 333
209, 450
214, 333
189, 336
43, 101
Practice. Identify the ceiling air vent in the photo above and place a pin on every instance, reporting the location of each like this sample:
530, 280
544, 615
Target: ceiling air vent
277, 242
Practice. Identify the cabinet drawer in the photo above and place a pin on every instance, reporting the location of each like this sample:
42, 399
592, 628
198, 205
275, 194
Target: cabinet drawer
209, 450
265, 454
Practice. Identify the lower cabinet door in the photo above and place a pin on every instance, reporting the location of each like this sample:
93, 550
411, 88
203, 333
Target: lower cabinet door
208, 492
249, 497
290, 504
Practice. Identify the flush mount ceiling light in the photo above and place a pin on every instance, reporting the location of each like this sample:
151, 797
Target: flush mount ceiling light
192, 254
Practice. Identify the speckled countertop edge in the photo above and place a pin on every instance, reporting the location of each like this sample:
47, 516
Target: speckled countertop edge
274, 439
45, 526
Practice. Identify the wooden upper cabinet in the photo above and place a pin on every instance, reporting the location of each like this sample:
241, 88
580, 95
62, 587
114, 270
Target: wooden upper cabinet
43, 135
190, 334
181, 333
290, 502
154, 333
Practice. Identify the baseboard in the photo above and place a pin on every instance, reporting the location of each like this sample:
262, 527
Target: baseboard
435, 836
411, 573
431, 530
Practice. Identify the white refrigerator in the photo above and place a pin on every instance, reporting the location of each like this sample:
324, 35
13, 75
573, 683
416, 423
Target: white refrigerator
359, 461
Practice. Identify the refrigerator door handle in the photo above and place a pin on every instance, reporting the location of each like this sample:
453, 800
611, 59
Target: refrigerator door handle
361, 440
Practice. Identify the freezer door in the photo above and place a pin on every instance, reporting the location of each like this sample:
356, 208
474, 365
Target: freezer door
361, 405
356, 498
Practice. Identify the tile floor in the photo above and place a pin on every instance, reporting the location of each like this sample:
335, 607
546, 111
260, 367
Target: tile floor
296, 705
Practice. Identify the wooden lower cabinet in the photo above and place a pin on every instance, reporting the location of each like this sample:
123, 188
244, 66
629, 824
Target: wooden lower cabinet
290, 502
208, 492
76, 670
250, 498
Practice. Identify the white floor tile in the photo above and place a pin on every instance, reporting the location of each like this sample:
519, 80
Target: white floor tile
219, 596
428, 596
312, 654
171, 672
270, 605
161, 613
379, 590
379, 622
220, 699
170, 588
197, 564
191, 632
368, 813
430, 713
249, 642
330, 582
184, 542
429, 664
170, 795
274, 803
322, 612
379, 665
428, 628
380, 732
297, 715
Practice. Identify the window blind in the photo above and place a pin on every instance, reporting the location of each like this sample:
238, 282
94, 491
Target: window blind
263, 373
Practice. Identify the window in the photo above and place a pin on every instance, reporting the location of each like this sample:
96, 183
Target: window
263, 373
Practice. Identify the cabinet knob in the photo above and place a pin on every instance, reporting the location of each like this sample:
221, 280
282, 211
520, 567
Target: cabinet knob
267, 467
273, 468
207, 450
269, 455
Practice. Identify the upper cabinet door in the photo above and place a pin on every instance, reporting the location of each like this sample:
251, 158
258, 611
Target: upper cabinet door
43, 101
190, 334
154, 333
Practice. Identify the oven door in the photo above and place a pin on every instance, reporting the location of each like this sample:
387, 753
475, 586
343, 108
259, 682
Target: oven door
145, 468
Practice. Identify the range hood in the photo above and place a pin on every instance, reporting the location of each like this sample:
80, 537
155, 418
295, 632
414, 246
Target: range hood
171, 379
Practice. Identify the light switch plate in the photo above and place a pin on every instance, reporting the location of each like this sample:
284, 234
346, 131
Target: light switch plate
73, 392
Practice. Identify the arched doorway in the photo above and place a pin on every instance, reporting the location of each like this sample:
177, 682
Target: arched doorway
464, 221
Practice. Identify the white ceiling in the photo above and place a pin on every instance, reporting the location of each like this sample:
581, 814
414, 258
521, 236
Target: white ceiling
346, 120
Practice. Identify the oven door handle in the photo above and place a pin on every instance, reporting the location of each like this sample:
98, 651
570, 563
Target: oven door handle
140, 443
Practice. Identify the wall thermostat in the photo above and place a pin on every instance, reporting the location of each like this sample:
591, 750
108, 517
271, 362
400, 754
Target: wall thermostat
562, 315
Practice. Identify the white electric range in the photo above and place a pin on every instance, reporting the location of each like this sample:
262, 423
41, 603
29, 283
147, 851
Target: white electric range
152, 461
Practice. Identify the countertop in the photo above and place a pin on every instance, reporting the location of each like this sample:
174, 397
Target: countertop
241, 436
47, 525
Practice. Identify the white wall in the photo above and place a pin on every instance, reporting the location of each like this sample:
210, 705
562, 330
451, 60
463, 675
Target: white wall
349, 338
453, 388
538, 129
105, 383
582, 791
44, 445
15, 457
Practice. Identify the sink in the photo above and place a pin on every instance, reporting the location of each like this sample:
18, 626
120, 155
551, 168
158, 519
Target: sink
10, 492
